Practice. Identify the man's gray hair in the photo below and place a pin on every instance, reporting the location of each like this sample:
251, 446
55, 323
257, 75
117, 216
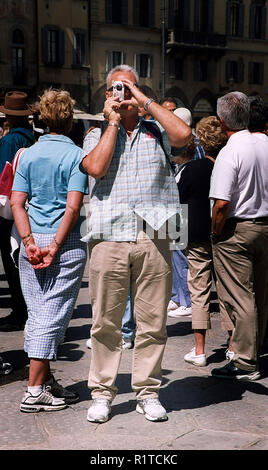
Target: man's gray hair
122, 68
233, 108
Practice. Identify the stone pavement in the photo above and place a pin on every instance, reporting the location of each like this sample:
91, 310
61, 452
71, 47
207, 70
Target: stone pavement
205, 413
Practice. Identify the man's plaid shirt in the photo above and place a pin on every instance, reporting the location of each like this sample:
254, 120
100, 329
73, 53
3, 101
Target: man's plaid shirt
139, 181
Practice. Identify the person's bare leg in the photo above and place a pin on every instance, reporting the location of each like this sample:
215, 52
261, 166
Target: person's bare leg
39, 372
199, 336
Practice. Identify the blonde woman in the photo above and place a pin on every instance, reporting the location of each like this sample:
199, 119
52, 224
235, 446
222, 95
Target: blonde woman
194, 187
52, 257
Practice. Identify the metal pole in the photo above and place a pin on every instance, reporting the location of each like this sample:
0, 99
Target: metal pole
163, 8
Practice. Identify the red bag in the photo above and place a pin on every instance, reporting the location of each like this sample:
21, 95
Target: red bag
6, 180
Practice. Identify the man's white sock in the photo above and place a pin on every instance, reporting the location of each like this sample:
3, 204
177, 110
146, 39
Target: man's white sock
36, 390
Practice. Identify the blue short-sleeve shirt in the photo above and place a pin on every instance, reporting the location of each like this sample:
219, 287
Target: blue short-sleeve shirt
47, 171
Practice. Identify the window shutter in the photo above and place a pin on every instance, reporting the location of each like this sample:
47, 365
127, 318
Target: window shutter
136, 12
151, 13
45, 46
228, 17
197, 15
108, 61
137, 62
263, 25
61, 47
172, 69
197, 70
228, 70
109, 11
241, 20
251, 21
151, 65
211, 16
250, 72
240, 71
186, 14
124, 11
261, 74
171, 14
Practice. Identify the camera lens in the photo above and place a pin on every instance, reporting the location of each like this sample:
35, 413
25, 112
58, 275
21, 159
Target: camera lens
119, 87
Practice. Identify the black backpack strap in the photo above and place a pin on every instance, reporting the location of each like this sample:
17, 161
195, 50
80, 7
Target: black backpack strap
154, 129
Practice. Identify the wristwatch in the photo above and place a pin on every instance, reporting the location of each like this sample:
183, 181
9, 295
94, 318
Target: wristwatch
148, 104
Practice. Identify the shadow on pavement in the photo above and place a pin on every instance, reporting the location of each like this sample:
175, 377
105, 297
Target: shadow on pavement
182, 328
198, 392
82, 311
69, 352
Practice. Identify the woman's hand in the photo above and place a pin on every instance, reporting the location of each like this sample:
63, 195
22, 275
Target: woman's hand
34, 253
47, 257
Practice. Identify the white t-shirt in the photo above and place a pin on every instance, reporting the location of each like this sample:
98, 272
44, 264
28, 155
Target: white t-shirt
240, 175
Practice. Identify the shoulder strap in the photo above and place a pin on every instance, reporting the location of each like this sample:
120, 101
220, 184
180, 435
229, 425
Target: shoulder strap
154, 129
15, 160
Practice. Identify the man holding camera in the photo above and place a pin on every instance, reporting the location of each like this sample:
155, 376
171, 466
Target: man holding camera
134, 187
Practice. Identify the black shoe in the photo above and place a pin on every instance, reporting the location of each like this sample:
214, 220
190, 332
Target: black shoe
11, 323
229, 371
5, 367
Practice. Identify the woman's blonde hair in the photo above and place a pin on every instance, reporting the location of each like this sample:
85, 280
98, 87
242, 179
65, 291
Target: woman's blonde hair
56, 109
210, 135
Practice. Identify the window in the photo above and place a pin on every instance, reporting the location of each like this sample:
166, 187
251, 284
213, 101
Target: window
143, 63
176, 68
235, 18
201, 70
114, 58
18, 57
257, 23
79, 48
179, 15
234, 71
255, 72
53, 45
117, 11
204, 16
143, 11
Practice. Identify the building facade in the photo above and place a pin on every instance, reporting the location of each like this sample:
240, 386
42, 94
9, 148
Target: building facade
193, 50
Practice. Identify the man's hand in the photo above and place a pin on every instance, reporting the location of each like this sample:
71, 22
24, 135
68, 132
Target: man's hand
111, 108
137, 99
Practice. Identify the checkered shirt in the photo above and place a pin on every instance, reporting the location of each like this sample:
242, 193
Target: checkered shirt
139, 182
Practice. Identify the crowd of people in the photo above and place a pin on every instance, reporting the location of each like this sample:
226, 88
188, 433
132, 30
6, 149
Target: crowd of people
139, 167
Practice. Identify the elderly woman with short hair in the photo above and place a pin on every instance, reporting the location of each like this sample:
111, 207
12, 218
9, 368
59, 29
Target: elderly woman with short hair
52, 257
194, 188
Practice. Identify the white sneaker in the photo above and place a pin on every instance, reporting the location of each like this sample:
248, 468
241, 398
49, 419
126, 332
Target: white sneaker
127, 343
181, 311
229, 355
196, 359
99, 410
152, 409
89, 343
172, 305
45, 401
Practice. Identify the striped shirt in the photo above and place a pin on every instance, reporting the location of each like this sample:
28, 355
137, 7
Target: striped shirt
138, 184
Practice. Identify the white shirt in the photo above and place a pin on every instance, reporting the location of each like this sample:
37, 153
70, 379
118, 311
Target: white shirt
240, 175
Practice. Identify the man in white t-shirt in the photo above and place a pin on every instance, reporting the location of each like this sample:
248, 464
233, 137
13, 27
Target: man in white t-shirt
239, 188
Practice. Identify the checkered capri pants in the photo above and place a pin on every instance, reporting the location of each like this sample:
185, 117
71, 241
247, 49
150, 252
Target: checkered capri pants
50, 294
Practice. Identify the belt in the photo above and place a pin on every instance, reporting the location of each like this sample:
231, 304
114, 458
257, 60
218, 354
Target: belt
256, 219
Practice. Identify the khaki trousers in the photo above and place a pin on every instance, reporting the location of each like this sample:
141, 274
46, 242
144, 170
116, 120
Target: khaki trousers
113, 265
241, 265
200, 277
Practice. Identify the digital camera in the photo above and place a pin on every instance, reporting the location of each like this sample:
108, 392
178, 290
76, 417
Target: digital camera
118, 90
